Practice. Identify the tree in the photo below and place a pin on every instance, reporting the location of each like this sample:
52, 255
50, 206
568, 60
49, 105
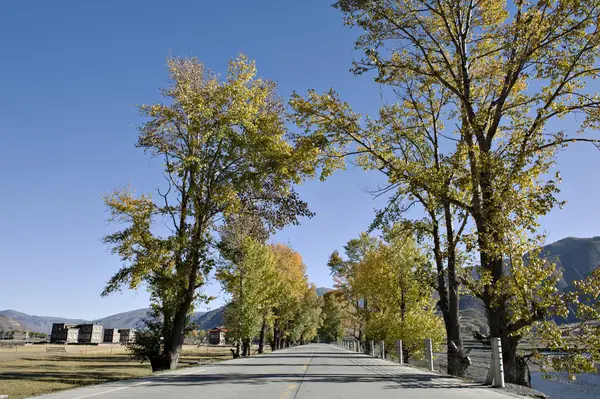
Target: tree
334, 315
507, 76
304, 326
392, 278
290, 290
225, 151
249, 281
344, 274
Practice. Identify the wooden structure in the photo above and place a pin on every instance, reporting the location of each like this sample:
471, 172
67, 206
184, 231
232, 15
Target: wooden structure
216, 336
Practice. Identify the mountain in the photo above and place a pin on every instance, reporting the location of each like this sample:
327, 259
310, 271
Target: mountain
36, 323
131, 319
323, 290
9, 324
210, 319
575, 257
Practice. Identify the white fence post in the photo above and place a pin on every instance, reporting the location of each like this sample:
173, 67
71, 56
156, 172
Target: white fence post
399, 351
382, 344
428, 353
497, 365
372, 345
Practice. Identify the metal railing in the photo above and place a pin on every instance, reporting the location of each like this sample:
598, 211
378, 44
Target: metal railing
482, 363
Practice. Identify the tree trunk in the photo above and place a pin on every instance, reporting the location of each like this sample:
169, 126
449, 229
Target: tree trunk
458, 362
516, 370
261, 339
276, 334
246, 347
174, 343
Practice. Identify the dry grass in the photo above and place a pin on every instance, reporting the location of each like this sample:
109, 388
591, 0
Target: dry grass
31, 371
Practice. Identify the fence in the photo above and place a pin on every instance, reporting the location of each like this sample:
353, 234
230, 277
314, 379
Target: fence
484, 358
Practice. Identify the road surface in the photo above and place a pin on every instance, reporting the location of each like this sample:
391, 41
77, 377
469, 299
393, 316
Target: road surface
309, 371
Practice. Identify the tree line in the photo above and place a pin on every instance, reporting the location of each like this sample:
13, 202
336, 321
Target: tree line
466, 135
270, 296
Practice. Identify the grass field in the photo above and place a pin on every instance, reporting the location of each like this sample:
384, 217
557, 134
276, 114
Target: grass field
28, 370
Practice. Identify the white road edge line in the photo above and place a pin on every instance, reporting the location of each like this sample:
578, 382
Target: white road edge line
111, 390
192, 372
132, 386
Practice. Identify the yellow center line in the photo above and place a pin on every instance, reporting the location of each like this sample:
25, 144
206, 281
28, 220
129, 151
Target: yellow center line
287, 394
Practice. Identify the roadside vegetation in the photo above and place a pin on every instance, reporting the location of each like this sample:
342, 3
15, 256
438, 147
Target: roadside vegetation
30, 371
466, 140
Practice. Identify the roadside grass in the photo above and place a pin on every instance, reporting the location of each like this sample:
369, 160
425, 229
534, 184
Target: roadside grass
35, 372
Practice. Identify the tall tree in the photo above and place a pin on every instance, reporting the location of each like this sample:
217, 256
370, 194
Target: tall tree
290, 291
305, 324
249, 280
334, 316
393, 278
225, 151
508, 71
344, 274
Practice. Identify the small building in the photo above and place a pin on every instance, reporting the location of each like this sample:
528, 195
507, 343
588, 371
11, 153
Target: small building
72, 335
111, 336
90, 333
63, 333
216, 336
127, 335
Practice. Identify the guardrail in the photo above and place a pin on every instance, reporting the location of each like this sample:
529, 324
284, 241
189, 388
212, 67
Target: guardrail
484, 358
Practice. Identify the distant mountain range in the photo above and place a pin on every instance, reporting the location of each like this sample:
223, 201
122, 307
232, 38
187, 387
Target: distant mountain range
13, 320
577, 257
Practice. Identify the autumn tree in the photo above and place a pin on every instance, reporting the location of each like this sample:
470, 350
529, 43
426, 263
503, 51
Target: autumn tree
393, 278
224, 147
334, 316
343, 270
508, 72
290, 290
307, 320
249, 280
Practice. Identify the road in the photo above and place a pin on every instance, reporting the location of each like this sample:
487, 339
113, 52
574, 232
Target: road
309, 371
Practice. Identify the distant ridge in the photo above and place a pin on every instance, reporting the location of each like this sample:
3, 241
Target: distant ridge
131, 319
576, 257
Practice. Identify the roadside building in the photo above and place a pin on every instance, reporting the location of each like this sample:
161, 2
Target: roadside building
63, 333
111, 336
72, 335
90, 333
216, 336
127, 335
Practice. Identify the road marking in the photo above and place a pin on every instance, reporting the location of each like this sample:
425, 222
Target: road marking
192, 372
132, 386
112, 390
287, 394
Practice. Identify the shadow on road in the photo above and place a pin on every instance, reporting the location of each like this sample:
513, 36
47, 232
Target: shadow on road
397, 381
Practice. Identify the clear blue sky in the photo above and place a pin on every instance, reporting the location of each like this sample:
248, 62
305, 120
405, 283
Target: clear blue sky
70, 74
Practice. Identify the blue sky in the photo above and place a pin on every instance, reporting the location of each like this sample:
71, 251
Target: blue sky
70, 74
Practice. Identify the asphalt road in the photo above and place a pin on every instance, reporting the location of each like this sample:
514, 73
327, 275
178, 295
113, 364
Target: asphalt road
309, 371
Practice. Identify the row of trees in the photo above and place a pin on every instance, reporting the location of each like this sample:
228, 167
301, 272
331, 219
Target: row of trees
271, 298
467, 137
385, 282
20, 334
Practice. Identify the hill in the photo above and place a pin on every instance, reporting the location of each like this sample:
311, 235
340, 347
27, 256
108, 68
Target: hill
9, 324
575, 257
131, 319
323, 290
